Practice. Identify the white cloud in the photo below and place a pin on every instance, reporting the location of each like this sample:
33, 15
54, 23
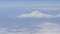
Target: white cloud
13, 31
48, 28
45, 28
35, 14
58, 15
3, 31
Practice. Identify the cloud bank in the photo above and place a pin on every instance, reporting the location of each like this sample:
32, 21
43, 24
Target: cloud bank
37, 14
44, 28
48, 28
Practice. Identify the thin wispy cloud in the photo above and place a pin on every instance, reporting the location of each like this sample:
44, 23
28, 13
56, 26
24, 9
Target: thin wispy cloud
50, 9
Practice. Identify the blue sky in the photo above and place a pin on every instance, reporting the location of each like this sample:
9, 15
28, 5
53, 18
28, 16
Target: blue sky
29, 0
29, 16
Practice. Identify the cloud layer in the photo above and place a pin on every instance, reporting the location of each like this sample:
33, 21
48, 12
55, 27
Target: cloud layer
44, 28
37, 14
48, 28
13, 31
